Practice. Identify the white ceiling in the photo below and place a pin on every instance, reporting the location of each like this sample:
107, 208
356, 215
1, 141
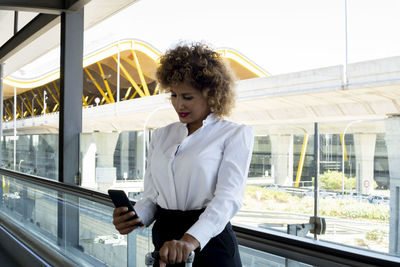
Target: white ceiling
95, 12
7, 23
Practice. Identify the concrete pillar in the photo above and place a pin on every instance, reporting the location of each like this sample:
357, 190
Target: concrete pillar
88, 151
124, 138
106, 173
139, 154
47, 156
106, 143
392, 138
282, 159
364, 146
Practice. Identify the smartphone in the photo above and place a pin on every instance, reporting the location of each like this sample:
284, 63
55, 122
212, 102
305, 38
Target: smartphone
120, 199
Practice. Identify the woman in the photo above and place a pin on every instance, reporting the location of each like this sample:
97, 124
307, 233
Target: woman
197, 168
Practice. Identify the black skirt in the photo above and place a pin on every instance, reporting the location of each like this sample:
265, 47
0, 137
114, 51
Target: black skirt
221, 251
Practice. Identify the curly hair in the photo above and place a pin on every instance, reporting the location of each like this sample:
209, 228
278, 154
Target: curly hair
204, 69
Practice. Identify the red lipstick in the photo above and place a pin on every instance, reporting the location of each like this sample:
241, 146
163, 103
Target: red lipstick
183, 114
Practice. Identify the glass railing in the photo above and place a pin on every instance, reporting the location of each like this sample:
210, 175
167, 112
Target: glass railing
76, 224
353, 195
35, 154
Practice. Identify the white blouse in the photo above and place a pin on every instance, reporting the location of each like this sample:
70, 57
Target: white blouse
207, 169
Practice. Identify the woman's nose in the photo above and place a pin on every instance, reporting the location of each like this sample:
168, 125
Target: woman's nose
179, 103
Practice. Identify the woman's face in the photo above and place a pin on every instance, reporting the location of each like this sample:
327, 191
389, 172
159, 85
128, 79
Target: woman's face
190, 104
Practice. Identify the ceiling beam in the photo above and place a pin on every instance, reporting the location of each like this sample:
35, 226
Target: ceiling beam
54, 7
31, 31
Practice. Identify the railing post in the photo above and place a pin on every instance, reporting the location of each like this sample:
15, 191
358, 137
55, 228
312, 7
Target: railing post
316, 172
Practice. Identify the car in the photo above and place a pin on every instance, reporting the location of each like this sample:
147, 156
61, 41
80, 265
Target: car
379, 200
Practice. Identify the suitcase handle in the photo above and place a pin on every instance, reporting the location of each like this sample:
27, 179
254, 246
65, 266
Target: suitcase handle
151, 257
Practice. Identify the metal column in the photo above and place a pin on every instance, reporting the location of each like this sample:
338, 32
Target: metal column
71, 89
70, 124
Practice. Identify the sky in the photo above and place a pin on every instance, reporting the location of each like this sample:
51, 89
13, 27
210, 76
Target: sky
280, 36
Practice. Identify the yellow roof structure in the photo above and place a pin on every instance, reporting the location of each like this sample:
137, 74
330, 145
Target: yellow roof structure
138, 63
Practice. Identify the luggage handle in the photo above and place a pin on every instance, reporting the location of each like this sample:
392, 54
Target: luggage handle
151, 257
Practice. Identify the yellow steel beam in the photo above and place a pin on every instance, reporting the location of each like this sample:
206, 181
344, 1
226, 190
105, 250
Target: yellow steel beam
134, 84
102, 101
24, 104
19, 112
156, 89
139, 69
115, 70
301, 161
90, 100
29, 103
37, 98
130, 63
9, 112
41, 100
344, 147
127, 93
133, 96
57, 90
52, 95
84, 101
55, 107
97, 85
106, 83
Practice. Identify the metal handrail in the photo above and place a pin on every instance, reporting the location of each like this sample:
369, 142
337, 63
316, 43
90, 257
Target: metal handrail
67, 188
307, 250
319, 253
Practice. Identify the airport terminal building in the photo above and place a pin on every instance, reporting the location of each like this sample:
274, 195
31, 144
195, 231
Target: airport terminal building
80, 101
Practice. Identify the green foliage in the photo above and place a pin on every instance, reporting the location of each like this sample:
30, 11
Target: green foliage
268, 194
347, 208
274, 200
332, 180
376, 235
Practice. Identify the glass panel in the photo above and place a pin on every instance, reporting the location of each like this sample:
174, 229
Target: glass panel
355, 184
280, 190
255, 258
80, 229
31, 100
280, 184
35, 154
112, 160
36, 209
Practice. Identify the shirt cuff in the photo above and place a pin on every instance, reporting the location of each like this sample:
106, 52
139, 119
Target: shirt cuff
146, 211
202, 231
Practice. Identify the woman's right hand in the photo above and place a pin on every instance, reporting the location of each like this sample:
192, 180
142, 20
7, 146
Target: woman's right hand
123, 223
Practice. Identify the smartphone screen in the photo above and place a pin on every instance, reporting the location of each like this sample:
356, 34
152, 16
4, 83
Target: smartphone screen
120, 199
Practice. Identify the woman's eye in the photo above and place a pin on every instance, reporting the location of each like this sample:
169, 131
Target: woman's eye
188, 97
173, 95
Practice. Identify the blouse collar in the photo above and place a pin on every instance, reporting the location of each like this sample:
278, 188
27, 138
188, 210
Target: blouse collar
208, 120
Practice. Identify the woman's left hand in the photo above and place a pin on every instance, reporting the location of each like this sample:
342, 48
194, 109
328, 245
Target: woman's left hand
177, 251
